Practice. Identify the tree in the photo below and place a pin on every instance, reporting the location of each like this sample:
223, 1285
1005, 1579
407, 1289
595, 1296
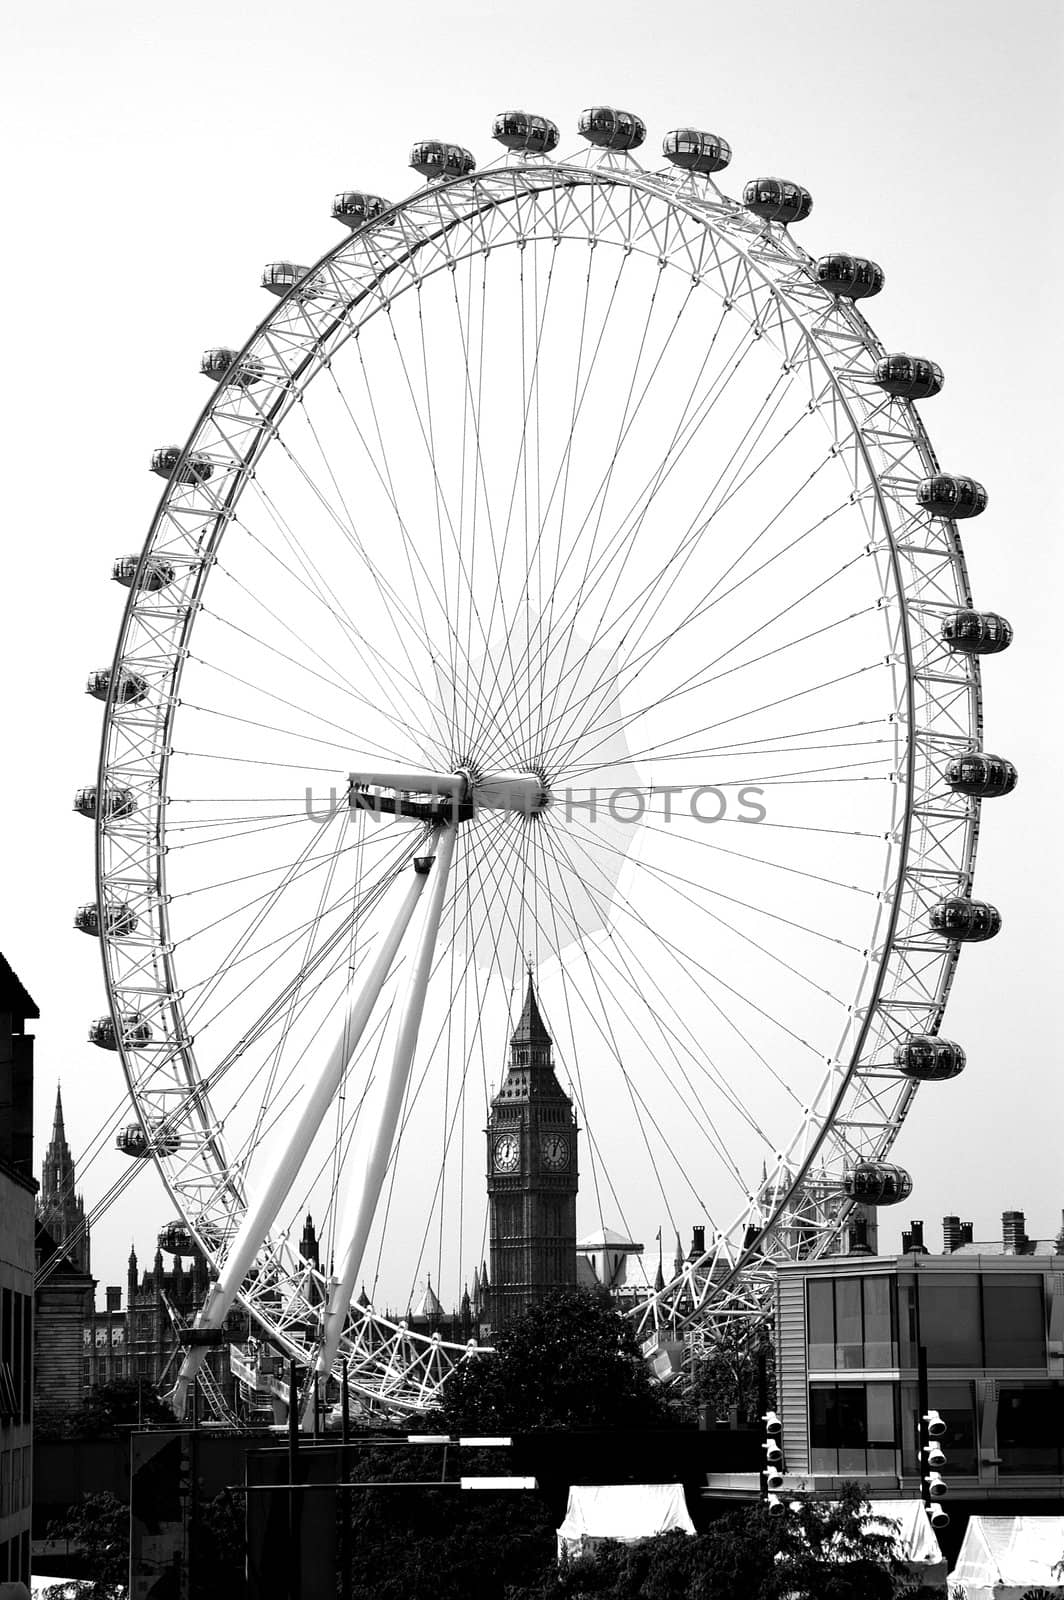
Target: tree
124, 1403
820, 1552
99, 1526
571, 1362
729, 1372
440, 1543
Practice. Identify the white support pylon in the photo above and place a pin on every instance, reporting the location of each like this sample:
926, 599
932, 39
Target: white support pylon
372, 1156
261, 1212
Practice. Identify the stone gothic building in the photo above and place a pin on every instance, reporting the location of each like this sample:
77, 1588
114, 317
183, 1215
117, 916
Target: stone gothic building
79, 1346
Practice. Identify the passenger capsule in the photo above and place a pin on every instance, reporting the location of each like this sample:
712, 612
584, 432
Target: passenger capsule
777, 200
611, 129
947, 496
524, 131
969, 921
228, 366
176, 1240
119, 920
167, 463
928, 1059
434, 159
135, 1031
877, 1183
696, 151
909, 377
354, 209
849, 277
132, 1141
129, 686
281, 276
117, 803
977, 633
982, 776
156, 575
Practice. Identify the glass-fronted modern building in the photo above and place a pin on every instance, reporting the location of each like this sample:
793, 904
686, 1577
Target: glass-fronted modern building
991, 1318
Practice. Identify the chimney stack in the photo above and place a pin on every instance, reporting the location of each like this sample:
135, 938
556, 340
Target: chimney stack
912, 1241
114, 1297
951, 1234
1013, 1233
698, 1243
967, 1229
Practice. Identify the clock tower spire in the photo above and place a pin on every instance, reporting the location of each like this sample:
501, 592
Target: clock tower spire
532, 1174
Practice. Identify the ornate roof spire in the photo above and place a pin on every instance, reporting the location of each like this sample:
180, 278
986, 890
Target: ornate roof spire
531, 1029
58, 1130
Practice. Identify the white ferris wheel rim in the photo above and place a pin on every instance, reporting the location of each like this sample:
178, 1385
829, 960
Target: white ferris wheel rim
860, 1104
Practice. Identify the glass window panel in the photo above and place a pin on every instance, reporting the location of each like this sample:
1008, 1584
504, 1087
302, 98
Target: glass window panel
950, 1324
879, 1399
851, 1412
832, 1424
955, 1404
1014, 1320
820, 1323
879, 1346
907, 1340
1029, 1429
822, 1425
849, 1350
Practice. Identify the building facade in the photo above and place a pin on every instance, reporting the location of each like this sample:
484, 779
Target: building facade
990, 1316
17, 1191
532, 1175
79, 1345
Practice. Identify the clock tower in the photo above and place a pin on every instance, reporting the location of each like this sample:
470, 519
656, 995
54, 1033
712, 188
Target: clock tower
532, 1174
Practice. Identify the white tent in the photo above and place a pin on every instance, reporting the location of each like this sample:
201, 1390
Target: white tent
621, 1511
916, 1541
1003, 1557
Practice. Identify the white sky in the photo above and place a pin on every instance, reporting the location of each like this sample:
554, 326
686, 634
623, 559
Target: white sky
158, 156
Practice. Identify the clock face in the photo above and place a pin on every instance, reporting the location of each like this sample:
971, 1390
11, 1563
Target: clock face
555, 1151
507, 1153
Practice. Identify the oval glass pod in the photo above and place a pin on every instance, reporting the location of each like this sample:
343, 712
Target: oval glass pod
981, 775
433, 158
909, 377
977, 633
279, 277
928, 1059
119, 920
223, 365
611, 129
156, 575
135, 1031
354, 208
849, 277
176, 1240
132, 1142
117, 803
129, 686
696, 151
777, 200
968, 921
877, 1183
949, 495
167, 463
525, 132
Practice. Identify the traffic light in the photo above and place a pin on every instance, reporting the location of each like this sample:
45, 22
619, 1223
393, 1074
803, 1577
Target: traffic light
932, 1456
773, 1458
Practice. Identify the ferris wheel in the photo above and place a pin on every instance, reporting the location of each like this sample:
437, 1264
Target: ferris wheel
559, 578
